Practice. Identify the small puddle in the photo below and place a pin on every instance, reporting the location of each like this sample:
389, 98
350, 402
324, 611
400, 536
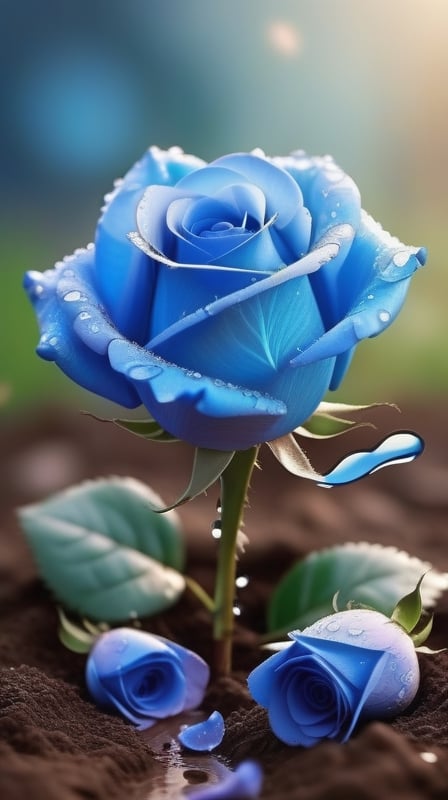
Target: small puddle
182, 770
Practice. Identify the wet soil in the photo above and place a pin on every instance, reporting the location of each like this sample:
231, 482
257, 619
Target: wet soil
55, 744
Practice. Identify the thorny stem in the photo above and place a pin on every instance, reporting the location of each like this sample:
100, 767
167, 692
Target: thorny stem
234, 486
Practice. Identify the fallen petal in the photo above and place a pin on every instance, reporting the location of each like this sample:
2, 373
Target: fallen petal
203, 735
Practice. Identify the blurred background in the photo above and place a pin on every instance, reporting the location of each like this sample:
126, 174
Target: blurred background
86, 87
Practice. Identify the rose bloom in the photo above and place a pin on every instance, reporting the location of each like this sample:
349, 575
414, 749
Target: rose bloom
143, 676
346, 667
227, 298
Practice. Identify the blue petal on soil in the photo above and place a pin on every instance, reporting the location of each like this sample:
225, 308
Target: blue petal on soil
204, 735
243, 784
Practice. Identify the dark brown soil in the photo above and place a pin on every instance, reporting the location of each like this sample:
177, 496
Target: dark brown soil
55, 744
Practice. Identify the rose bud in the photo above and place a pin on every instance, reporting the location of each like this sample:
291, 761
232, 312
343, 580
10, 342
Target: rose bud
349, 666
144, 677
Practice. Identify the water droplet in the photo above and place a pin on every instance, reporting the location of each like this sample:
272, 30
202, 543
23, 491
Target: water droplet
144, 373
401, 693
216, 529
333, 626
355, 631
370, 296
236, 610
72, 297
333, 214
242, 581
94, 328
53, 341
219, 382
395, 449
38, 289
120, 645
401, 258
90, 246
407, 677
384, 316
429, 757
84, 315
218, 505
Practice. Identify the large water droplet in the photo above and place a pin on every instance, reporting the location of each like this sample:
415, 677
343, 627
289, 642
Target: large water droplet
398, 448
333, 627
384, 316
144, 372
401, 258
241, 581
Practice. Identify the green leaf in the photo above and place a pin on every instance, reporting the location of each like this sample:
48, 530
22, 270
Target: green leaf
72, 636
364, 573
408, 610
208, 466
144, 428
421, 632
104, 552
329, 420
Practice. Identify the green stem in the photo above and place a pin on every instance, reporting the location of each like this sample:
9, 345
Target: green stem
234, 485
200, 593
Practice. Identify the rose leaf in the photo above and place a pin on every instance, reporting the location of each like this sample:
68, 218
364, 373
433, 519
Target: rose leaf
104, 552
361, 573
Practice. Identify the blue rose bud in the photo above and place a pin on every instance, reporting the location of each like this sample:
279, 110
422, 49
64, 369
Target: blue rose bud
348, 666
227, 298
144, 677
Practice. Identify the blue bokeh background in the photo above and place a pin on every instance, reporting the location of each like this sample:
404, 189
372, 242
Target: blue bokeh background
86, 87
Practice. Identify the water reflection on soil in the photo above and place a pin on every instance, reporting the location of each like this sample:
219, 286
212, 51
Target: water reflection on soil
181, 770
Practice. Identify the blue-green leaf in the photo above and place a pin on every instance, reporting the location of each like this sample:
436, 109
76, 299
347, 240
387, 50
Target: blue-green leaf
104, 552
369, 574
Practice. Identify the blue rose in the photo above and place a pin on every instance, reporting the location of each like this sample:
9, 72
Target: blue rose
348, 666
224, 297
144, 677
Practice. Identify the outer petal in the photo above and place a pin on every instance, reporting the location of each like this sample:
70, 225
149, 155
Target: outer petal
248, 338
124, 275
197, 674
193, 407
66, 303
373, 284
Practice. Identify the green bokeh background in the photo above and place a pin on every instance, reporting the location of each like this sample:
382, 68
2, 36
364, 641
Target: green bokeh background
86, 87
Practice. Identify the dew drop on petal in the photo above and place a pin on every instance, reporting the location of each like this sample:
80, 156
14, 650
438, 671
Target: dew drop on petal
72, 297
401, 258
333, 626
144, 373
384, 316
355, 631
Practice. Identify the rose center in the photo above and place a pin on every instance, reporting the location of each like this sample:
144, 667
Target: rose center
150, 684
320, 694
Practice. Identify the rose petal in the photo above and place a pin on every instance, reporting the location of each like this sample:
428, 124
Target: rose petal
204, 735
